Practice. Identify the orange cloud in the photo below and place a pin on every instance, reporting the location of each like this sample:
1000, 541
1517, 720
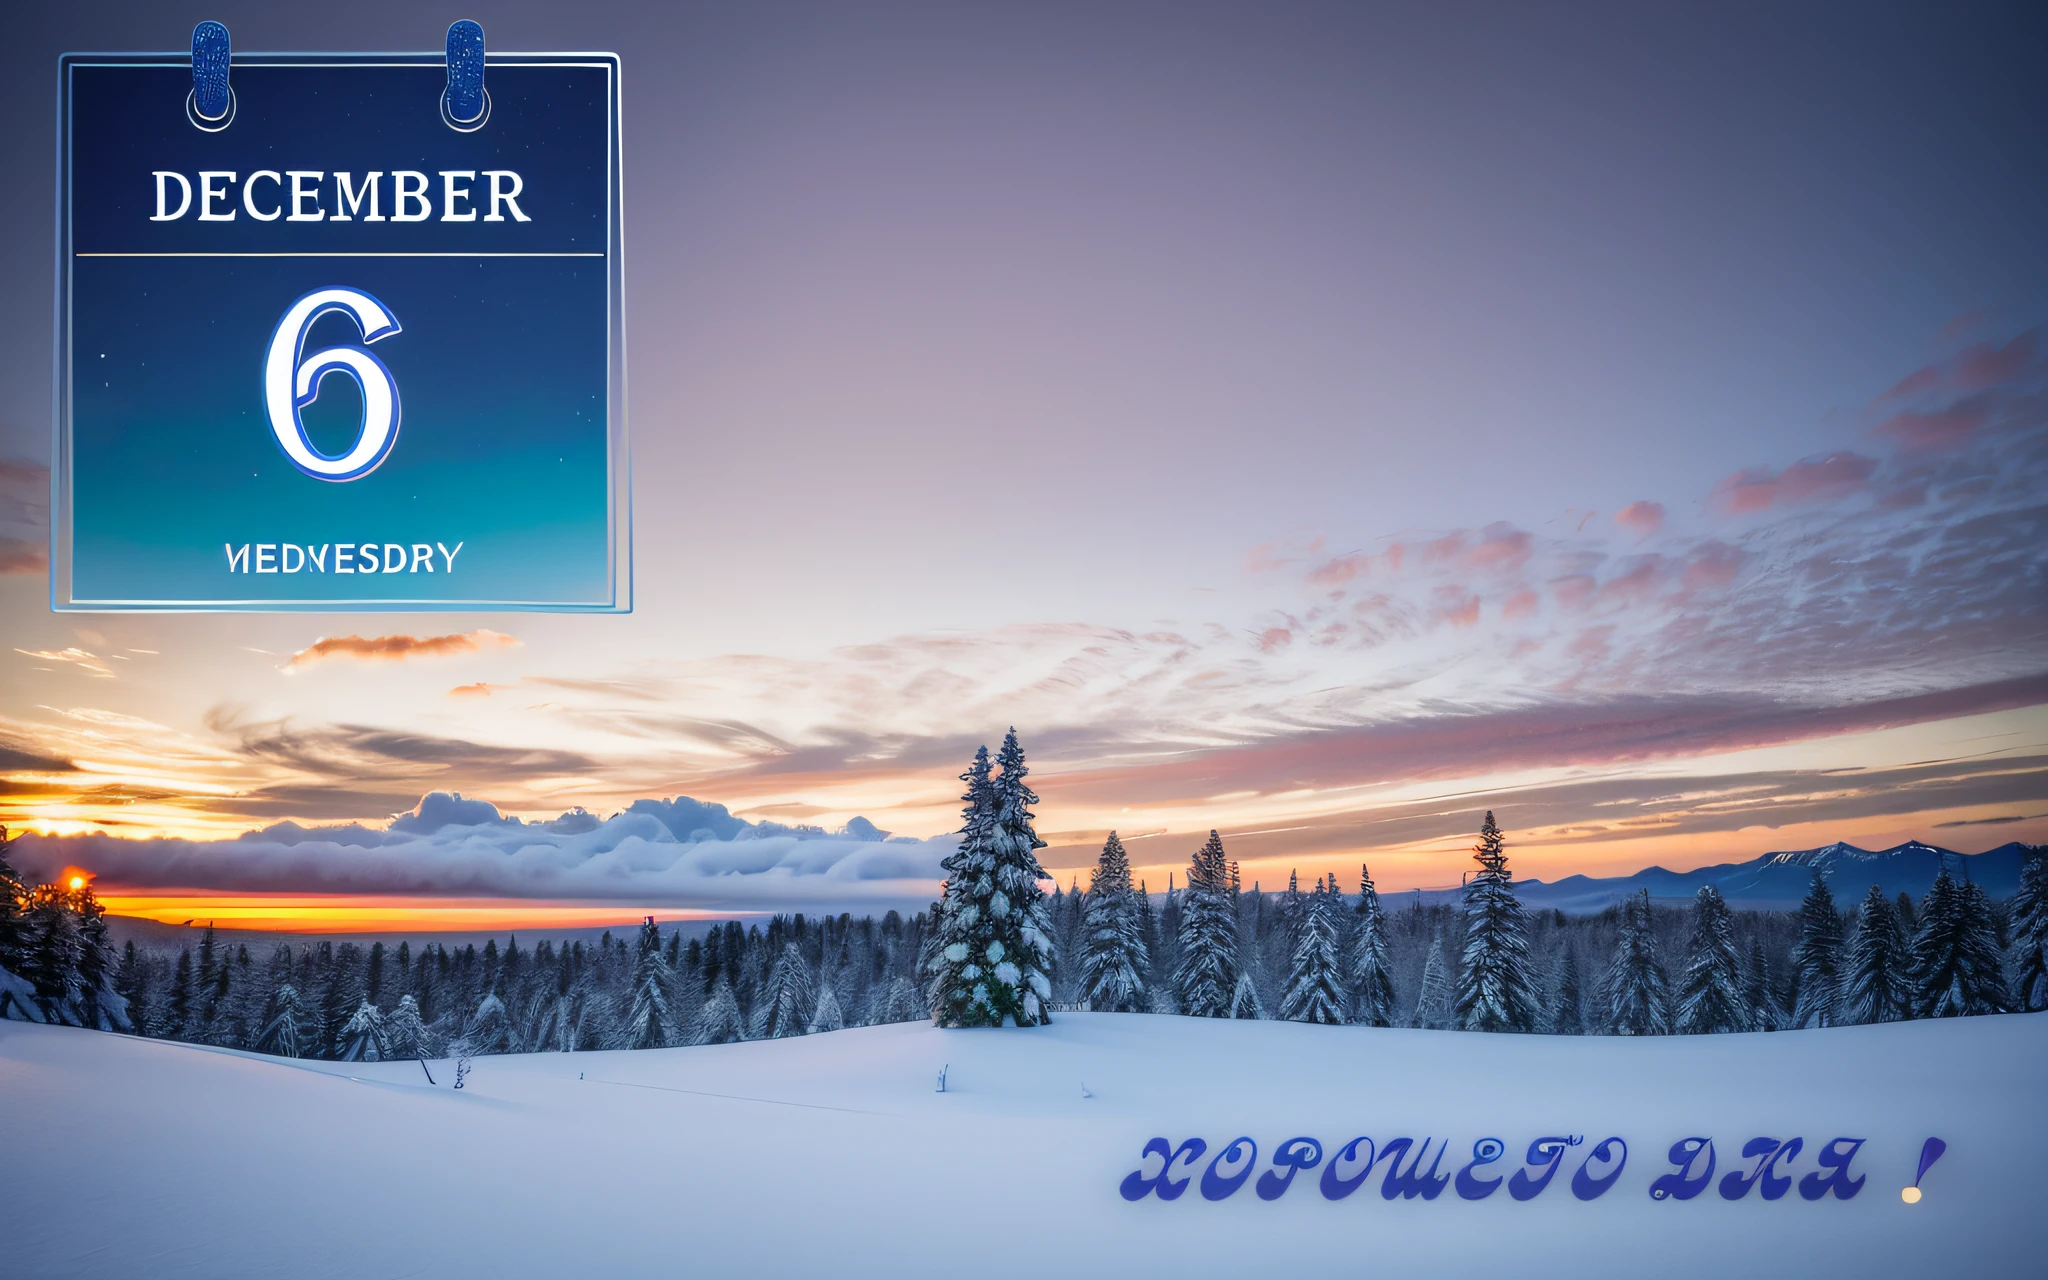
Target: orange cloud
1455, 605
481, 689
398, 648
1808, 480
1643, 518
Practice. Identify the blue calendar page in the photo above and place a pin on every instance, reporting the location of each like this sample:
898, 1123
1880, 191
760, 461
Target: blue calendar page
334, 351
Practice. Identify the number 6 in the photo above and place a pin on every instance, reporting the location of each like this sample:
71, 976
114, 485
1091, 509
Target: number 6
290, 383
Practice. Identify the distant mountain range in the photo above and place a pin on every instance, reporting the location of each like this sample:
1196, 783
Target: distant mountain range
1777, 881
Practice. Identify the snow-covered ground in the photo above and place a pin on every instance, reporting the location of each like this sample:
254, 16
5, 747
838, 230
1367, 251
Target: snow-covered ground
834, 1155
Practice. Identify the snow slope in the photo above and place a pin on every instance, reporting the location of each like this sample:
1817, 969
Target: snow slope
834, 1155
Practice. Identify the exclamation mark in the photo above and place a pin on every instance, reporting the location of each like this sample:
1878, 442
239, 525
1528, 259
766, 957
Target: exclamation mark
1930, 1151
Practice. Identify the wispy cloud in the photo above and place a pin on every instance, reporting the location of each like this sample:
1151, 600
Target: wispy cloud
90, 663
2002, 820
397, 648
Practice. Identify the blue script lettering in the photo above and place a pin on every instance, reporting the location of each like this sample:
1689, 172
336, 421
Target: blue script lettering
1294, 1155
1834, 1157
1138, 1185
1166, 1170
1684, 1184
1587, 1187
1414, 1182
1336, 1186
1484, 1151
1766, 1152
1546, 1152
1219, 1186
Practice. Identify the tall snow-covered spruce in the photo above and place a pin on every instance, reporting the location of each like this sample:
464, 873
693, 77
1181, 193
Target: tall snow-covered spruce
1819, 957
1712, 999
1638, 990
1433, 994
1878, 986
1495, 991
17, 994
789, 998
1372, 985
993, 964
1315, 989
1205, 980
959, 926
1956, 969
648, 1024
1113, 956
2030, 934
1569, 1018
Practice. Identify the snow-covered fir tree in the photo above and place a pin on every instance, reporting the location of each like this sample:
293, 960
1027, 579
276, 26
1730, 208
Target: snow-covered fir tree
1495, 990
1148, 924
1293, 903
490, 1029
282, 1034
826, 1015
901, 1004
2030, 934
994, 952
1819, 958
1434, 995
1113, 958
1315, 984
178, 1000
1711, 998
405, 1033
100, 1005
1878, 986
785, 1004
1244, 998
53, 954
1956, 969
960, 929
63, 965
1206, 977
721, 1021
1164, 943
1638, 990
1022, 974
1372, 980
1569, 1017
12, 937
1069, 914
648, 1024
1757, 992
362, 1036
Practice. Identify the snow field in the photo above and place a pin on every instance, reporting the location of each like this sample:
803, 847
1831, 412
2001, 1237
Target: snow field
834, 1154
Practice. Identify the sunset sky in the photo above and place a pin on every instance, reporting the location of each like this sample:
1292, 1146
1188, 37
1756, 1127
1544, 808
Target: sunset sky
1321, 423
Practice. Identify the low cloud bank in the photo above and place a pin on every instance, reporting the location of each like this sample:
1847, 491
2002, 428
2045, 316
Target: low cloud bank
671, 853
